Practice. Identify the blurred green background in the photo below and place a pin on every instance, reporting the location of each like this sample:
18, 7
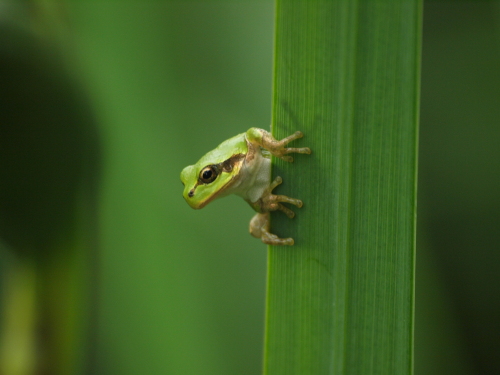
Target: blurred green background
138, 90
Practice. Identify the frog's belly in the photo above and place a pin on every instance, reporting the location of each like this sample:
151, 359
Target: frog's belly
255, 177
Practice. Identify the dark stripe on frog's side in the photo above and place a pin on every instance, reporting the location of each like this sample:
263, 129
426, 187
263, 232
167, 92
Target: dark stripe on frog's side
228, 165
224, 167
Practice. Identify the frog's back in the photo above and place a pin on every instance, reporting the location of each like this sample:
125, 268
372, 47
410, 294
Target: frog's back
228, 148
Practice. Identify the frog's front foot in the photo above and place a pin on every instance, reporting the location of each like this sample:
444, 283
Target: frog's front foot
278, 149
275, 147
259, 227
272, 202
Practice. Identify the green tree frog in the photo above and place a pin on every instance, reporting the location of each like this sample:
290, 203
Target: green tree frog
242, 166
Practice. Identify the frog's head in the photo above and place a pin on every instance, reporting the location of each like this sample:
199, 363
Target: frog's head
204, 181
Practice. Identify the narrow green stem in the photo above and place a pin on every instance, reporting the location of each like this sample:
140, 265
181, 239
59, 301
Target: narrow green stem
341, 301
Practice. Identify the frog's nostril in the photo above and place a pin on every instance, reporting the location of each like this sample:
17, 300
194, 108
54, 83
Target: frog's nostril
191, 193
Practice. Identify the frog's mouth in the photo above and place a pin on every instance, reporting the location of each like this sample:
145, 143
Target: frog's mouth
220, 193
202, 203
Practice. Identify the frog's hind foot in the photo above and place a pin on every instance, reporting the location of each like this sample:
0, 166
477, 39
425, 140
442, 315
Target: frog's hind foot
259, 227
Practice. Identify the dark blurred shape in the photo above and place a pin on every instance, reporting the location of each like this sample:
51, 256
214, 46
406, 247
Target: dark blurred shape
459, 191
48, 143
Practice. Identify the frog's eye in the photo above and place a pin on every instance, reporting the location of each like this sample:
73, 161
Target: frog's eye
208, 174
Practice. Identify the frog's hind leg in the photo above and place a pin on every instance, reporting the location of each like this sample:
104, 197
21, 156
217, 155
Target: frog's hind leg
259, 227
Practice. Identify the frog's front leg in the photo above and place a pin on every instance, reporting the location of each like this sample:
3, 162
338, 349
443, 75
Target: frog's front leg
265, 140
259, 225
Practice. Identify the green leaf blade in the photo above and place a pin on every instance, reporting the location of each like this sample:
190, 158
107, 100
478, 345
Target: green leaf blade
341, 300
